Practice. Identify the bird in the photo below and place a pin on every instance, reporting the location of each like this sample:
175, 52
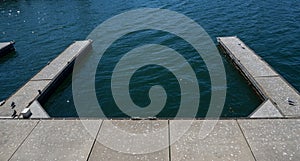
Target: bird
291, 102
40, 92
12, 105
14, 114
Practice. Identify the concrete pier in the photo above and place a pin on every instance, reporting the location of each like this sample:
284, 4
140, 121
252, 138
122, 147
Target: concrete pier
6, 47
281, 98
38, 87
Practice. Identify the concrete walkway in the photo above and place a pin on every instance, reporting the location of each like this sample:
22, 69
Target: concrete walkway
245, 139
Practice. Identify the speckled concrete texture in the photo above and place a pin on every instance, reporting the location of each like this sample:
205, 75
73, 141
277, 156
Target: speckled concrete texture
266, 109
43, 80
242, 139
23, 97
265, 79
279, 91
62, 140
224, 142
12, 135
273, 139
113, 145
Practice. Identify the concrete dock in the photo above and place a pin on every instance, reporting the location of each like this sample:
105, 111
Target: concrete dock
38, 87
6, 47
65, 140
281, 99
271, 133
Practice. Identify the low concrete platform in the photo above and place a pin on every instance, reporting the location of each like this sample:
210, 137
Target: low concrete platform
269, 84
266, 110
6, 47
43, 82
64, 140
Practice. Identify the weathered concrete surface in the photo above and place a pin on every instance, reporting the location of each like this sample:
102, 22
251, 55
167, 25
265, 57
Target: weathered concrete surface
37, 110
266, 110
44, 79
52, 70
225, 142
279, 91
12, 134
274, 139
246, 139
242, 54
266, 80
62, 140
23, 97
114, 145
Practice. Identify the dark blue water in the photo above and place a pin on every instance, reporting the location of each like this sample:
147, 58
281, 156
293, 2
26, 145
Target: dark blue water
43, 29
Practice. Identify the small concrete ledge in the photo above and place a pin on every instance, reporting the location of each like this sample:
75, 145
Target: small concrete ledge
266, 110
37, 110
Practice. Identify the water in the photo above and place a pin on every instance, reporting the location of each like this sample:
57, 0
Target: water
43, 29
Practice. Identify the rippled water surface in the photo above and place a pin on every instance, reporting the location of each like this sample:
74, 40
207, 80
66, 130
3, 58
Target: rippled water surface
43, 29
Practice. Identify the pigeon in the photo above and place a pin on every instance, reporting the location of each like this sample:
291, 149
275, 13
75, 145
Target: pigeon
12, 105
14, 114
291, 102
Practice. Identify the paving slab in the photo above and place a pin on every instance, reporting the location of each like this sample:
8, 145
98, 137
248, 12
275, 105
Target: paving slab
266, 110
224, 142
279, 91
12, 134
276, 139
59, 140
132, 140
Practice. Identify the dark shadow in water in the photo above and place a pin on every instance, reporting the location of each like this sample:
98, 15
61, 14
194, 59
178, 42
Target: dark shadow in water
8, 56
